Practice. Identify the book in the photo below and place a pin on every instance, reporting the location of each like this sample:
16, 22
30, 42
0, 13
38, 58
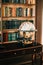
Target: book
3, 11
9, 36
14, 36
31, 11
5, 37
25, 1
5, 1
21, 1
4, 25
10, 12
6, 11
34, 1
25, 12
13, 1
14, 12
19, 12
28, 12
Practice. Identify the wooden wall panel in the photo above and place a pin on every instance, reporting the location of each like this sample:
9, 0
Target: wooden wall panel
38, 19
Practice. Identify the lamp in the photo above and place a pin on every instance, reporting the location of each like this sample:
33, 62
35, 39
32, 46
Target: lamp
27, 31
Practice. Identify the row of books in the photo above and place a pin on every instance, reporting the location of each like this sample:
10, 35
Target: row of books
10, 36
17, 12
19, 1
12, 24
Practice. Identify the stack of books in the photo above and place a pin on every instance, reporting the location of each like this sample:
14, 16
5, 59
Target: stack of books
8, 11
14, 1
13, 24
10, 36
17, 12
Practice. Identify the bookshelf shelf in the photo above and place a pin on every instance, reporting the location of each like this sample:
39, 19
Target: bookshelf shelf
15, 11
19, 18
9, 42
19, 5
10, 30
4, 4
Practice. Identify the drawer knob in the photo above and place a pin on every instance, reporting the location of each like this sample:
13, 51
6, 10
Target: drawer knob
34, 49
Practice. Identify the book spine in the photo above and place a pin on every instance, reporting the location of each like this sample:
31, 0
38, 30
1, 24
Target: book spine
28, 12
33, 14
25, 1
4, 24
21, 1
13, 11
14, 36
34, 1
17, 12
13, 1
10, 1
17, 1
3, 1
5, 37
20, 12
3, 11
6, 11
31, 11
10, 12
9, 36
24, 11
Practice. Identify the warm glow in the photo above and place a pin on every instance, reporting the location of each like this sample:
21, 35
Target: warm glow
27, 26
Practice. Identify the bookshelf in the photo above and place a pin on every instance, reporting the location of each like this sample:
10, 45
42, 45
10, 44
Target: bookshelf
14, 12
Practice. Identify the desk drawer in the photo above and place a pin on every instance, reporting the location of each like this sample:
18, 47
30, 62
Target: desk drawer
33, 50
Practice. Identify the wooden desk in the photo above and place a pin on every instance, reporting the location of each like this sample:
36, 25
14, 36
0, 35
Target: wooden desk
19, 51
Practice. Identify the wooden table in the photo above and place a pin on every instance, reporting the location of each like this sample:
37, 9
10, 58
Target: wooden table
19, 51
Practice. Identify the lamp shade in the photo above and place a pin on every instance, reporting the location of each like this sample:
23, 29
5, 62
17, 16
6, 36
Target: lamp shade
27, 26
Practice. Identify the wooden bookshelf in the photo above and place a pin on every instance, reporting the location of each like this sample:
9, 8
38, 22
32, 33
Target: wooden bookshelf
12, 4
10, 42
10, 30
19, 18
9, 11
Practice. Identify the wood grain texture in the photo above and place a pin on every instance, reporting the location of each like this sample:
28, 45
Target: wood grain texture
38, 19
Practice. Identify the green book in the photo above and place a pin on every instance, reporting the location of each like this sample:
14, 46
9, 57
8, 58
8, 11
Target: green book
17, 12
9, 36
6, 11
31, 11
14, 36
